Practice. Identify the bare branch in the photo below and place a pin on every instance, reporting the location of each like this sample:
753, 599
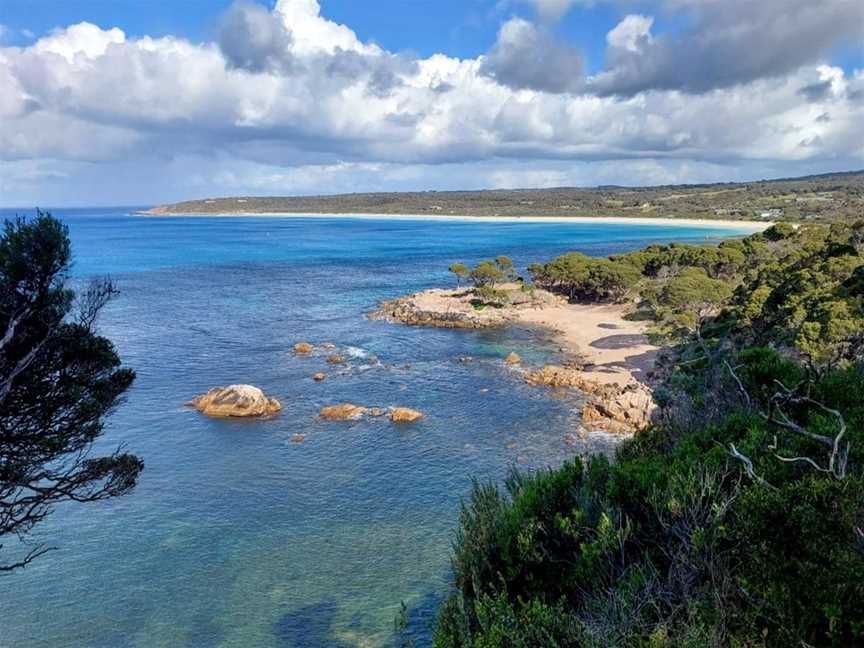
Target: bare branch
748, 466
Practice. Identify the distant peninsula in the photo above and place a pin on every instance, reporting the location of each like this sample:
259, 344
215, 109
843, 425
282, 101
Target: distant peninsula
834, 197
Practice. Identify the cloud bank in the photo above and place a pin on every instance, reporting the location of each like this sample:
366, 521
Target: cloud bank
284, 100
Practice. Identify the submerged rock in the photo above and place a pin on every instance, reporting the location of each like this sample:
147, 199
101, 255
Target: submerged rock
513, 358
298, 438
303, 348
335, 359
404, 415
236, 400
343, 412
318, 377
377, 411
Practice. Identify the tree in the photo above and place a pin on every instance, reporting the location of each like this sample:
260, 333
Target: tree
486, 273
461, 271
58, 380
690, 297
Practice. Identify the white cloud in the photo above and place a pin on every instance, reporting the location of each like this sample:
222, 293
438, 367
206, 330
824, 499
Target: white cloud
311, 108
82, 39
632, 33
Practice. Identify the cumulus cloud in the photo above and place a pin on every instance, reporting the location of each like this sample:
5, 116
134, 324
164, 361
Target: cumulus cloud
254, 39
288, 101
632, 34
726, 43
554, 10
528, 57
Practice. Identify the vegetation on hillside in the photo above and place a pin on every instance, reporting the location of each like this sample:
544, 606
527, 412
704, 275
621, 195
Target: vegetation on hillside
738, 518
58, 380
836, 197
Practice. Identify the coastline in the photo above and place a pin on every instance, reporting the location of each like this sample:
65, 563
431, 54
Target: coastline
608, 357
610, 348
746, 225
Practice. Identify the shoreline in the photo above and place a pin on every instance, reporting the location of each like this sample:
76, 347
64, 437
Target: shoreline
745, 225
611, 348
607, 357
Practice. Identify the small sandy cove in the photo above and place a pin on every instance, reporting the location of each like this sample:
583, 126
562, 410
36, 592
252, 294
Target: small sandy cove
614, 358
611, 348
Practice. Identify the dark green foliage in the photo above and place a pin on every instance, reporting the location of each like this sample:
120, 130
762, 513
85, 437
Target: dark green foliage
58, 379
582, 277
738, 519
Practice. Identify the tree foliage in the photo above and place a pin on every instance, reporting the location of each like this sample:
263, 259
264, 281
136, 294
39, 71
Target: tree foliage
58, 380
738, 518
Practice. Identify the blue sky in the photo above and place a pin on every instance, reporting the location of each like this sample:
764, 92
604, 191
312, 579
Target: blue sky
195, 97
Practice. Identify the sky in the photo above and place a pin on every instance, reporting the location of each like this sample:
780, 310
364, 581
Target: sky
140, 102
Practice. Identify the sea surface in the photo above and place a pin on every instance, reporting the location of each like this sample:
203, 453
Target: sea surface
238, 536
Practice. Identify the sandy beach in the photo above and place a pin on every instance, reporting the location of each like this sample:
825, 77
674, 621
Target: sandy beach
741, 225
612, 348
611, 358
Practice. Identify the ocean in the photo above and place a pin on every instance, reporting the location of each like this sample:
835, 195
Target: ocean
238, 536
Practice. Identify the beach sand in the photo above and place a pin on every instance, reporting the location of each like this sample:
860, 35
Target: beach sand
741, 225
612, 348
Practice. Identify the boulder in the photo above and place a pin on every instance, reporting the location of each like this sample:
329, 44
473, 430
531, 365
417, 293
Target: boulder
612, 407
404, 415
236, 400
318, 377
513, 358
343, 412
377, 411
335, 359
554, 376
303, 348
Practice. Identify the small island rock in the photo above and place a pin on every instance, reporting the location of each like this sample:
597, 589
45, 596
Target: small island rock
236, 400
335, 359
318, 377
513, 358
404, 415
303, 348
343, 412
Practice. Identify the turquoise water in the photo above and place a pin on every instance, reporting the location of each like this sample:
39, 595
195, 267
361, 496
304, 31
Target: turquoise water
235, 535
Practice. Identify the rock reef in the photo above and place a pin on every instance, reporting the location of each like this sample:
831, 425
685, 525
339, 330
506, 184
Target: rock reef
351, 412
611, 407
405, 415
236, 401
443, 308
343, 412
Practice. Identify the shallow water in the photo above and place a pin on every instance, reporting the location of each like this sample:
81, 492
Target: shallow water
236, 536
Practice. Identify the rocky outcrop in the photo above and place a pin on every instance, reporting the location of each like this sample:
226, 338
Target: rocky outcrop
625, 411
303, 348
443, 308
513, 358
343, 412
335, 359
351, 412
611, 407
404, 415
236, 400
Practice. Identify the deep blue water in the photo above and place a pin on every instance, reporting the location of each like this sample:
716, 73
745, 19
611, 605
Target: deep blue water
236, 536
